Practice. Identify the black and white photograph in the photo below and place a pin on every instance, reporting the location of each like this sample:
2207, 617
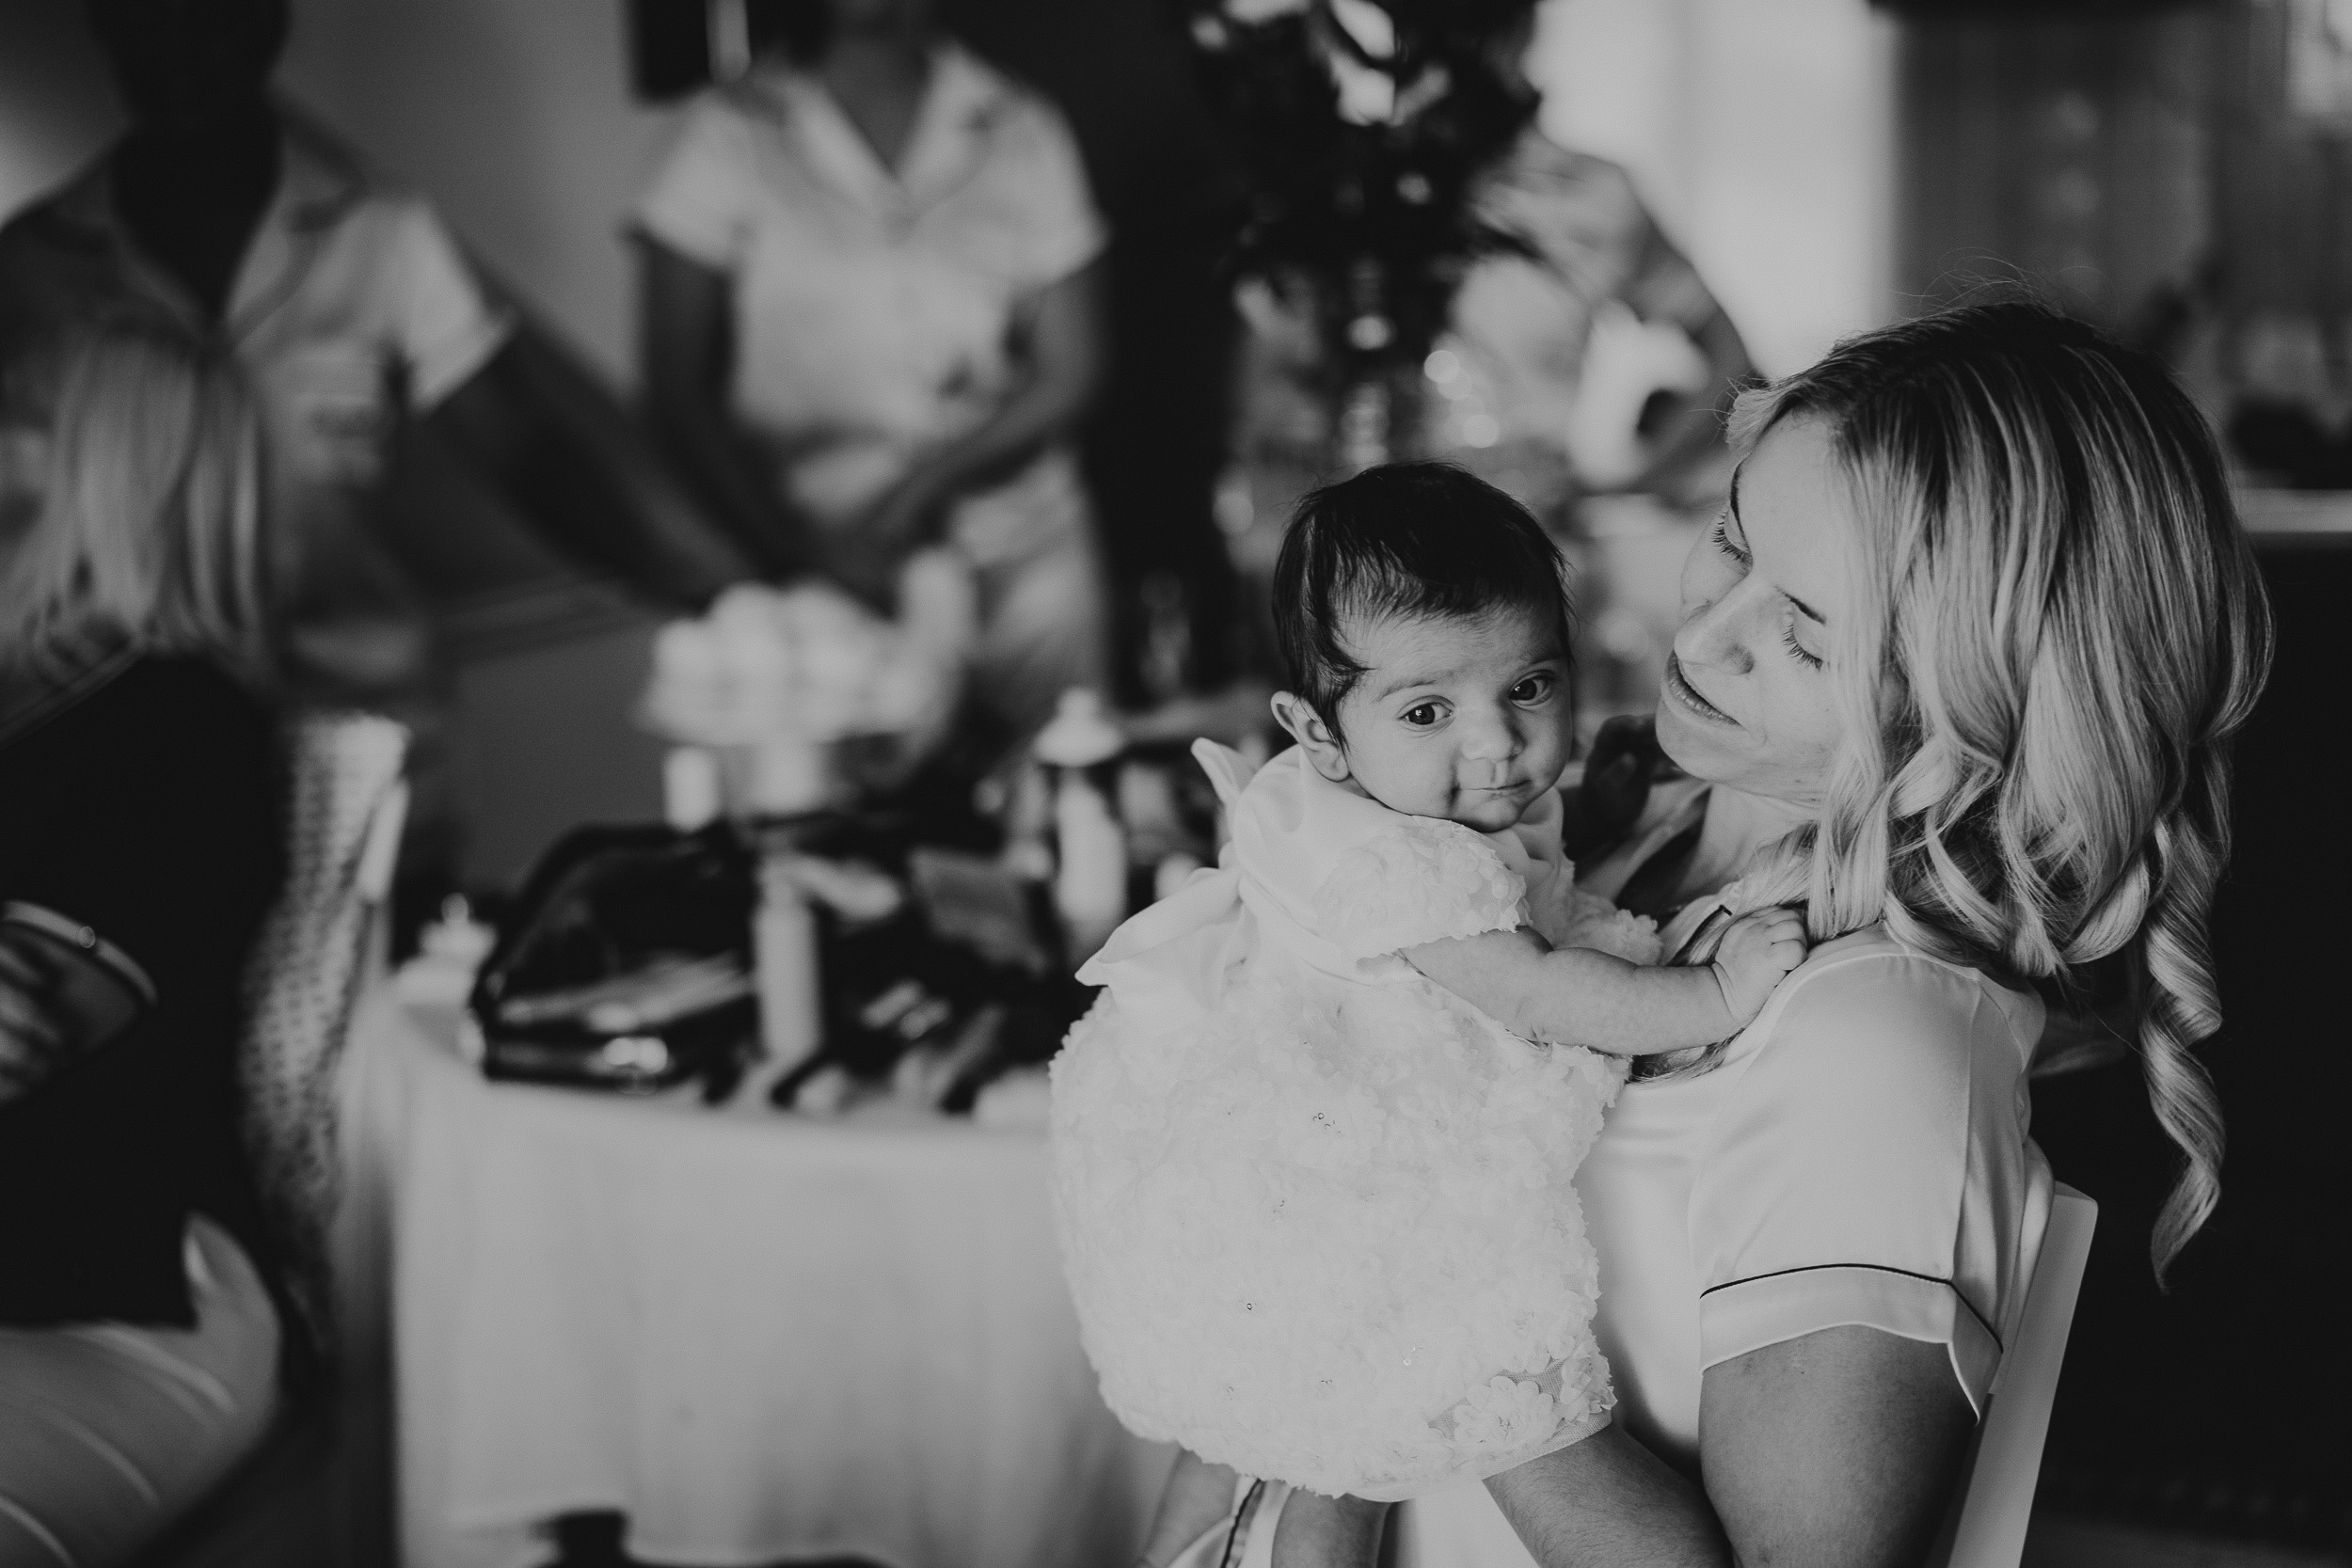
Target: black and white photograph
1175, 783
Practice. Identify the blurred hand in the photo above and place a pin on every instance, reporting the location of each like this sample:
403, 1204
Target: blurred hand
32, 1038
863, 568
867, 552
1625, 760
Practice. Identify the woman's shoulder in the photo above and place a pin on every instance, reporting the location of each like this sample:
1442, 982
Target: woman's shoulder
1869, 1020
1873, 973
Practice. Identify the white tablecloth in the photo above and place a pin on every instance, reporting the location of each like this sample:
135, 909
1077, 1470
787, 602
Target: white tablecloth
759, 1337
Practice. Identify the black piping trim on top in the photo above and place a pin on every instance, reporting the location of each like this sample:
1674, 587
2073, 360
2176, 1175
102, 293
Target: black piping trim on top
1241, 1517
1881, 1268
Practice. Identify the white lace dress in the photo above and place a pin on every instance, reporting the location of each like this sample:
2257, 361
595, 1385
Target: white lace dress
1316, 1212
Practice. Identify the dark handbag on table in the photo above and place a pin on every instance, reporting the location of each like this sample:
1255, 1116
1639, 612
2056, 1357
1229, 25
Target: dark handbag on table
627, 963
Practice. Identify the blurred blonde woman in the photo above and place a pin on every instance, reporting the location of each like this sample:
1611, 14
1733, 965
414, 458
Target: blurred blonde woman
139, 847
1958, 671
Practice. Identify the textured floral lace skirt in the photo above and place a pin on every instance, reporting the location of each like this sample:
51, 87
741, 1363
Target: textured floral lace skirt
1329, 1235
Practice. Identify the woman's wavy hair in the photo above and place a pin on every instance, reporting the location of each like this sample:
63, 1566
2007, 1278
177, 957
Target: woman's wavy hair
148, 533
2059, 628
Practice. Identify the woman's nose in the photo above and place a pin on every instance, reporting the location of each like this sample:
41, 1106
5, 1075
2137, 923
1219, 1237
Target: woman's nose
1714, 636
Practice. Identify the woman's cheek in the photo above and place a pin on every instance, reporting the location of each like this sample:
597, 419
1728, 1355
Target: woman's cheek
1812, 728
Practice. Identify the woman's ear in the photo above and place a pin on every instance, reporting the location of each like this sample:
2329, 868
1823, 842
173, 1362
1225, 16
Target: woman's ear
1306, 727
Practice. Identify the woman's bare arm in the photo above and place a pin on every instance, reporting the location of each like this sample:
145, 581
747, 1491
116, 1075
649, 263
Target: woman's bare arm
1609, 1500
1199, 1496
1838, 1450
1578, 997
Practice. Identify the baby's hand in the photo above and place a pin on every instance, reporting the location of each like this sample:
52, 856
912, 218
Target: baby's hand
1757, 951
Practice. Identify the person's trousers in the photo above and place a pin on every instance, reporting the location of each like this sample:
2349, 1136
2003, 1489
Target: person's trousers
110, 1432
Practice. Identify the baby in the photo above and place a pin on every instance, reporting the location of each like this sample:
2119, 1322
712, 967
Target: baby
1313, 1145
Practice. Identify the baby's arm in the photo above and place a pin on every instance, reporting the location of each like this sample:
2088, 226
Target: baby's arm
1199, 1497
1576, 996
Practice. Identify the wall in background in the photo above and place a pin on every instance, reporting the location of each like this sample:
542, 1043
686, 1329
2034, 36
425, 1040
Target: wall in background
56, 107
2070, 152
516, 116
1761, 135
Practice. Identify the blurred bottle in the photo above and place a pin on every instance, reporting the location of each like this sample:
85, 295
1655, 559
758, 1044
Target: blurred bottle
450, 951
1078, 754
691, 793
783, 954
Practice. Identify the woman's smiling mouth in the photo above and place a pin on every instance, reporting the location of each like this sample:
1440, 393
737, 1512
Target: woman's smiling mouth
1679, 687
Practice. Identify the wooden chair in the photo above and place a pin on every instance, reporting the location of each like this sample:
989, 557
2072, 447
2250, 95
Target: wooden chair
1986, 1527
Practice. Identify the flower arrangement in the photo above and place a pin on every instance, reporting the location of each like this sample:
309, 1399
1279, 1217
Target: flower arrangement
784, 673
1361, 128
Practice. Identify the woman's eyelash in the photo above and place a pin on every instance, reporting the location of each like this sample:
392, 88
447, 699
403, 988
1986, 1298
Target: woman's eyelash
1722, 539
1788, 635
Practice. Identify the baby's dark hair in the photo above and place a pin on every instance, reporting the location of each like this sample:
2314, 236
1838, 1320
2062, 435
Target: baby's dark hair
1404, 539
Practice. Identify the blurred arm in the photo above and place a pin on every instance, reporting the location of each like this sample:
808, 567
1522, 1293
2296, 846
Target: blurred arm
1060, 337
686, 353
561, 450
1061, 333
1697, 429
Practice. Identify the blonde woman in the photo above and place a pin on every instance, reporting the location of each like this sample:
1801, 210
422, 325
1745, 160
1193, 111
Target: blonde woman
1958, 671
140, 846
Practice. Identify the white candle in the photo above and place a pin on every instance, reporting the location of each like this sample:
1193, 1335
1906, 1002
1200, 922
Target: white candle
784, 949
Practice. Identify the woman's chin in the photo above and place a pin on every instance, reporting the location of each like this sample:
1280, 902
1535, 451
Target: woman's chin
1691, 743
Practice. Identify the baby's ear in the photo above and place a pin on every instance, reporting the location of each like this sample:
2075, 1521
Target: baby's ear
1305, 725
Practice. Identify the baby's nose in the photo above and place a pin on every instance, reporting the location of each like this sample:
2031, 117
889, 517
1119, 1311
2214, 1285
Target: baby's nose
1489, 740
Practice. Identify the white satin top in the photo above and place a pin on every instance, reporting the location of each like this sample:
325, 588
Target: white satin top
1859, 1155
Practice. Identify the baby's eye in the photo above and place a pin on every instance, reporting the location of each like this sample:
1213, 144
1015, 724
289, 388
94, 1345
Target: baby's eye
1534, 689
1422, 714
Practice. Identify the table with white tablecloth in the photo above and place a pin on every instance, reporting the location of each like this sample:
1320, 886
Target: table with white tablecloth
761, 1337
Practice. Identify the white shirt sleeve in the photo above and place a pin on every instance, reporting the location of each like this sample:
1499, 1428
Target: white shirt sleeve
1064, 230
444, 326
700, 201
1870, 1167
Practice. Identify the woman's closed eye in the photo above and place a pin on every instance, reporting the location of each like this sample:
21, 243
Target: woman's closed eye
1723, 541
1788, 635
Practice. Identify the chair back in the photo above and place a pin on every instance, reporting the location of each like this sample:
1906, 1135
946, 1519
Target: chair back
346, 805
1987, 1525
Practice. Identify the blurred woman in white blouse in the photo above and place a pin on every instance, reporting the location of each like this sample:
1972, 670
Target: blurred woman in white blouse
870, 321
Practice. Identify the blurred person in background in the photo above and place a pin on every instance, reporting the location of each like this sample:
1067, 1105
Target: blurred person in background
1526, 328
871, 324
353, 311
140, 846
